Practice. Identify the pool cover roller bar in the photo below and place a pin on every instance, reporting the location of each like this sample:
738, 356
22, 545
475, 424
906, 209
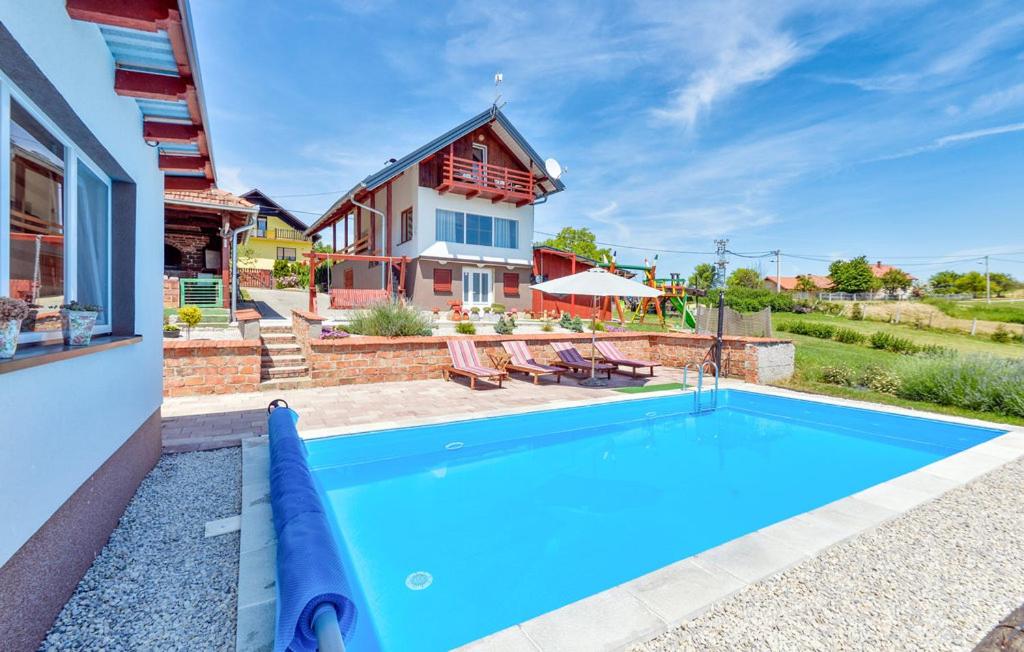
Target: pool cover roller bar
310, 577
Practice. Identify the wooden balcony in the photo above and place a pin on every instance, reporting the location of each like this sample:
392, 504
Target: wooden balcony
281, 234
470, 178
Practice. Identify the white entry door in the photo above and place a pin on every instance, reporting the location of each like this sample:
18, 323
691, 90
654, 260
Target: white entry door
477, 287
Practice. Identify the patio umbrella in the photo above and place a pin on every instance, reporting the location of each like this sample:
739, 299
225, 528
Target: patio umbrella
596, 282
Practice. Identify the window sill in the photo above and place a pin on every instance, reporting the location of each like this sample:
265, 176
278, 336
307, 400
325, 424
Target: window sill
37, 355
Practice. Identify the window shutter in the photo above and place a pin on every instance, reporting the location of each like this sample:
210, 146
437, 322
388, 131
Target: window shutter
510, 281
442, 281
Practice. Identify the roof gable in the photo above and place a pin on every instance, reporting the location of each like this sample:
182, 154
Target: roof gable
270, 207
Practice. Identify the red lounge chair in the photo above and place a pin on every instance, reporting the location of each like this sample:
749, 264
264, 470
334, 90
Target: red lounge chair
522, 361
611, 354
570, 358
466, 362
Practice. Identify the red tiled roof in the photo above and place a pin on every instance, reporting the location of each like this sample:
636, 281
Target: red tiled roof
789, 282
211, 197
879, 270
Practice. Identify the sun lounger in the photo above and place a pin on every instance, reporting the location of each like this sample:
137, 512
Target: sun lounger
570, 358
522, 361
466, 362
611, 354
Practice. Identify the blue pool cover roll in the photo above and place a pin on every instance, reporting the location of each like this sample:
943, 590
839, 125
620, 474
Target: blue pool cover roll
309, 568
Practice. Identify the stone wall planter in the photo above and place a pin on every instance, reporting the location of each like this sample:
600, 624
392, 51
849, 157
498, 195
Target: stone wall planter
9, 338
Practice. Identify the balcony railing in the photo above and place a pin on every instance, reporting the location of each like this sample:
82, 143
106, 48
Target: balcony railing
281, 234
471, 178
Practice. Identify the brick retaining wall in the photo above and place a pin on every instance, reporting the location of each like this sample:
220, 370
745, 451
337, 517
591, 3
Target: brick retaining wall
211, 367
172, 292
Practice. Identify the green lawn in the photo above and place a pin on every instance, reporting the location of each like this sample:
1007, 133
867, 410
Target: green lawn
956, 341
812, 354
1004, 311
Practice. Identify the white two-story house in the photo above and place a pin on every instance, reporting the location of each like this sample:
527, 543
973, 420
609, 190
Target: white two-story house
460, 208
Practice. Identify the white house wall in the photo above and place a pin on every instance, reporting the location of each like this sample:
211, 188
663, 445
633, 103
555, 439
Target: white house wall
63, 420
429, 200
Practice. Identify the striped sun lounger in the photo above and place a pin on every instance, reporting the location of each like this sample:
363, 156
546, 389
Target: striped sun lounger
466, 362
611, 354
570, 358
522, 361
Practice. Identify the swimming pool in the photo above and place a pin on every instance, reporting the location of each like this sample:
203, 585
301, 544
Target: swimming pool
452, 532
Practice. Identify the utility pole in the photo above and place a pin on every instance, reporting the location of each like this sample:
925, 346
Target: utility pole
778, 271
988, 284
720, 249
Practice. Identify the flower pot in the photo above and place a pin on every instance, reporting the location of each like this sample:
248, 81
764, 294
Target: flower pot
9, 338
78, 325
172, 334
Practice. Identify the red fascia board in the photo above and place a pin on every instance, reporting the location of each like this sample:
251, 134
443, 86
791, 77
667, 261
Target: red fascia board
131, 14
191, 163
170, 132
148, 86
187, 183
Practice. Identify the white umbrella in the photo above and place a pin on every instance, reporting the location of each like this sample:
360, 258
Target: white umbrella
596, 282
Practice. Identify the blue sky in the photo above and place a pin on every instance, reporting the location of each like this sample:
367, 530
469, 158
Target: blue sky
820, 128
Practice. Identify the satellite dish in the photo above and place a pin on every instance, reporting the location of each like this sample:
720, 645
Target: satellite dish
553, 168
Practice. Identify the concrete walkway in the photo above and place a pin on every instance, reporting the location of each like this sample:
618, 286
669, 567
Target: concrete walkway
206, 422
278, 304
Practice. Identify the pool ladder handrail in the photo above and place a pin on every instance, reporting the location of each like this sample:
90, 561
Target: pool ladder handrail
697, 403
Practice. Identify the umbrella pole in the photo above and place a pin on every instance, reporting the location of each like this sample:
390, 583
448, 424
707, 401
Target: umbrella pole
593, 381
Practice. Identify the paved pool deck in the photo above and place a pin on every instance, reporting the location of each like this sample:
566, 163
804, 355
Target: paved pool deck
658, 611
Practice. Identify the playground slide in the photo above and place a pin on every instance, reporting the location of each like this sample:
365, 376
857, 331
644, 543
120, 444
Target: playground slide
680, 305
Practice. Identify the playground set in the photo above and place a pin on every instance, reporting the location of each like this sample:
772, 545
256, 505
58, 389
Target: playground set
673, 292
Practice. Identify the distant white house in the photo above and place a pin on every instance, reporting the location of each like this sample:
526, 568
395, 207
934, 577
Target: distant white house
99, 101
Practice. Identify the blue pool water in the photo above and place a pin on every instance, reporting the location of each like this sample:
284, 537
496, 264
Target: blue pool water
455, 531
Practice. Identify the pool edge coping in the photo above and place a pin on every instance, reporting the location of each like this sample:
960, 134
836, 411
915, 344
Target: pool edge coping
649, 605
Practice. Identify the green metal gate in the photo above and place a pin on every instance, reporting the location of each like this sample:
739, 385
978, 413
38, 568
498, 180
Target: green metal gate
202, 292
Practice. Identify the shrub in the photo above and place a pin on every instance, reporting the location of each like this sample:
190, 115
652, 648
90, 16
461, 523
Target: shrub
576, 325
828, 307
983, 383
849, 336
1001, 335
505, 325
547, 326
332, 333
171, 328
281, 268
880, 379
890, 342
809, 328
190, 316
465, 328
498, 308
597, 326
744, 299
390, 319
837, 375
565, 321
856, 312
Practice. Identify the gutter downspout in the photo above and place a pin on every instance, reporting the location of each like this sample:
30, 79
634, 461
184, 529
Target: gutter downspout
251, 224
385, 269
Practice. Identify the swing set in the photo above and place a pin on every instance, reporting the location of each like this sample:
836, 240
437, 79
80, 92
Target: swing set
673, 291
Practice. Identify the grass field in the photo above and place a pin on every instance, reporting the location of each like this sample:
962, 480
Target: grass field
813, 354
959, 342
1001, 310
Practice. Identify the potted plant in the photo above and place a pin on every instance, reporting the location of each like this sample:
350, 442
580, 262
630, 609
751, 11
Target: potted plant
474, 313
77, 321
171, 331
12, 311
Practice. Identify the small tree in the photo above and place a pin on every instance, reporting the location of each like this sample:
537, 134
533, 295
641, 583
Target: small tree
972, 283
745, 277
190, 316
895, 280
853, 275
944, 282
805, 283
703, 277
247, 256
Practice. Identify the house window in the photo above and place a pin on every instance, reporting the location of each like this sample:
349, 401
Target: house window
506, 233
451, 226
58, 247
478, 230
442, 281
286, 253
510, 284
261, 227
406, 226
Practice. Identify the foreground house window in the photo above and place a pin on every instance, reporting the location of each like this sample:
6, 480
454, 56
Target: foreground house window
510, 284
467, 228
406, 226
442, 281
57, 222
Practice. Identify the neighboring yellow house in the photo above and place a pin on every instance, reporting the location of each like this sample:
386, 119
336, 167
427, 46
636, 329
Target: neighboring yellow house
277, 236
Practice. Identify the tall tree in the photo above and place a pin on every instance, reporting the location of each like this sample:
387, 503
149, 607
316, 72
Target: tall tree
1002, 283
853, 275
971, 283
745, 277
944, 282
581, 242
703, 277
895, 280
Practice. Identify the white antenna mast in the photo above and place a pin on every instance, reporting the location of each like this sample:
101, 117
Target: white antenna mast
498, 78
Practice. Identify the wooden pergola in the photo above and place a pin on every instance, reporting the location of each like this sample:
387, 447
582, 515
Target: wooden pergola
393, 262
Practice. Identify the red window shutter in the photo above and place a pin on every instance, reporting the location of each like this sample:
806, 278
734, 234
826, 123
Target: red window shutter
442, 281
511, 284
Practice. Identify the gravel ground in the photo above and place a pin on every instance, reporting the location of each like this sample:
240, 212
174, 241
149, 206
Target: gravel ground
938, 578
158, 584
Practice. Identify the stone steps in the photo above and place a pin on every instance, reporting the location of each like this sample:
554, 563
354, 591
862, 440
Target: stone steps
277, 384
281, 361
269, 361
